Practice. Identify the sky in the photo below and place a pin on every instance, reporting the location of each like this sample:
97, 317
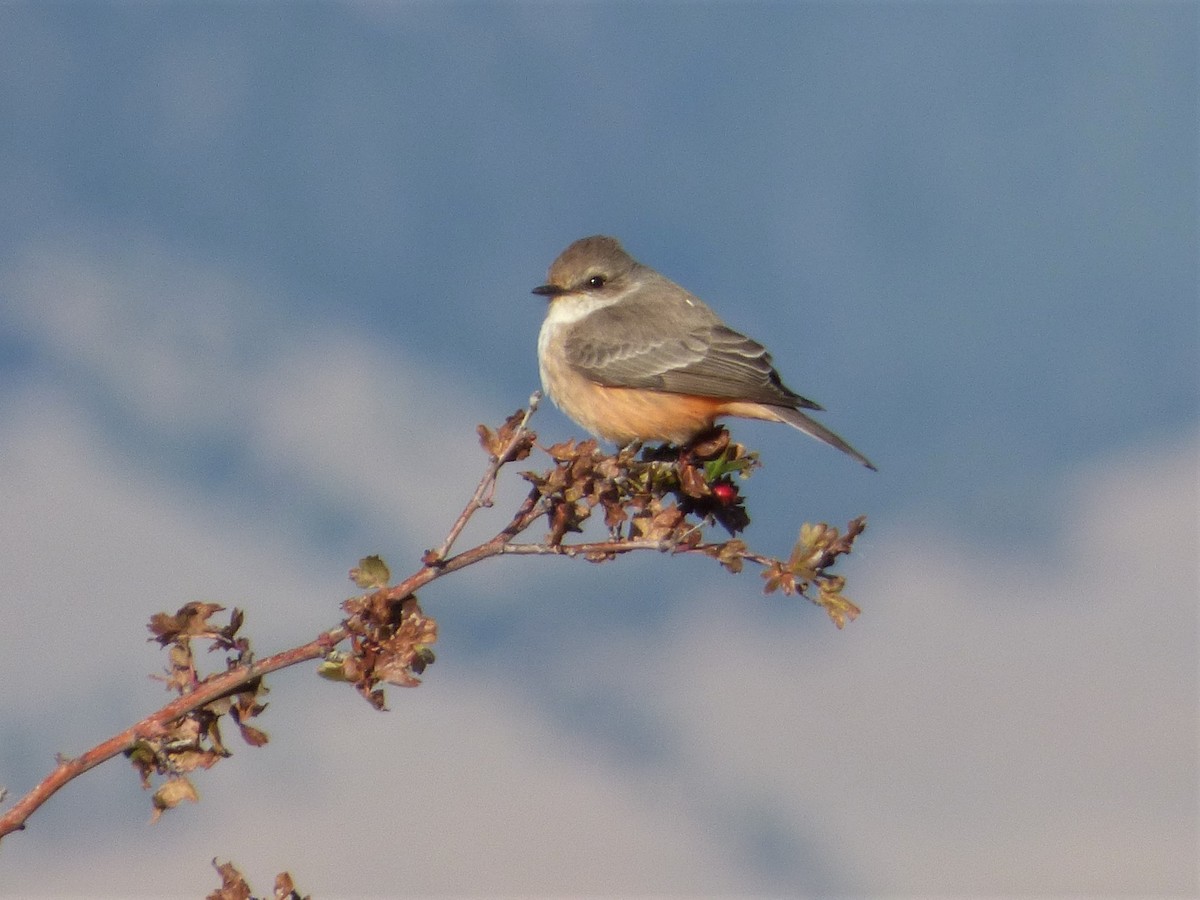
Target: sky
263, 269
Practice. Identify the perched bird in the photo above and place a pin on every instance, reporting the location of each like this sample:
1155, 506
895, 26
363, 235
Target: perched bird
632, 356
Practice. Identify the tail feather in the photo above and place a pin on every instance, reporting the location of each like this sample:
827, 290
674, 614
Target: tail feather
797, 419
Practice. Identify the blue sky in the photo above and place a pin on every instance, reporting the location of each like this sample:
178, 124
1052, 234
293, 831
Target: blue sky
263, 269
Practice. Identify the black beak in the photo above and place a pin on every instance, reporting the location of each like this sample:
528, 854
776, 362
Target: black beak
549, 290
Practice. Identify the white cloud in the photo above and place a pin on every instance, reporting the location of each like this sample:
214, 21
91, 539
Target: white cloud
992, 724
463, 789
92, 543
197, 355
996, 722
989, 725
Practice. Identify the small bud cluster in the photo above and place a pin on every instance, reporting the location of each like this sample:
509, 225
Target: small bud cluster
193, 741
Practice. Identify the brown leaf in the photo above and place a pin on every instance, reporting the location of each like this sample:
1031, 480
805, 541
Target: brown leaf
253, 736
523, 447
614, 512
193, 759
663, 525
189, 729
845, 543
374, 696
181, 677
510, 426
840, 609
285, 888
233, 884
389, 643
236, 618
170, 794
778, 579
246, 708
729, 555
692, 482
566, 517
564, 451
144, 759
395, 670
711, 444
247, 700
487, 440
190, 620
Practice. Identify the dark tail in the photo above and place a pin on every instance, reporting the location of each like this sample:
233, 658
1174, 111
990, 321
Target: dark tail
797, 419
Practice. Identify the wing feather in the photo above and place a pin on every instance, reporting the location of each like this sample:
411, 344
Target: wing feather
703, 357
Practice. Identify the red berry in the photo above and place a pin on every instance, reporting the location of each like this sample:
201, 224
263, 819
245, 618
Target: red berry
725, 493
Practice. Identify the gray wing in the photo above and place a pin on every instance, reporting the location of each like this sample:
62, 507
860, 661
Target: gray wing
703, 356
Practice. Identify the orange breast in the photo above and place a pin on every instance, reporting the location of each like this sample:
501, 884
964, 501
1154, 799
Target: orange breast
623, 415
631, 414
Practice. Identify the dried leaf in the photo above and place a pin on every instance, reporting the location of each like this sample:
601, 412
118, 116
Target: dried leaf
170, 794
191, 620
233, 884
614, 511
729, 555
692, 483
564, 451
144, 759
285, 888
390, 640
487, 440
192, 759
253, 736
778, 579
248, 707
840, 609
664, 524
710, 445
371, 573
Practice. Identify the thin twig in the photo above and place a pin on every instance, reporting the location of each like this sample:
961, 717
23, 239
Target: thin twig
156, 724
622, 545
487, 485
228, 682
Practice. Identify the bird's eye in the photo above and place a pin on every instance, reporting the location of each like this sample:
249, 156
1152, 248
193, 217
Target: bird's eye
596, 281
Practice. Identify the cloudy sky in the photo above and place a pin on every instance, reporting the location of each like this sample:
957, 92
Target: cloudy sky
264, 268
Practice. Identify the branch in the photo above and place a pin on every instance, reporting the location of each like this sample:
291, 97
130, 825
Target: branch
155, 726
662, 500
153, 730
516, 447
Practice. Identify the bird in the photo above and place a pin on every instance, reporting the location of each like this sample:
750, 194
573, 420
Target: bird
631, 356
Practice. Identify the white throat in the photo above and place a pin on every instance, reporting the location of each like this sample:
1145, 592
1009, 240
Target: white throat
563, 312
